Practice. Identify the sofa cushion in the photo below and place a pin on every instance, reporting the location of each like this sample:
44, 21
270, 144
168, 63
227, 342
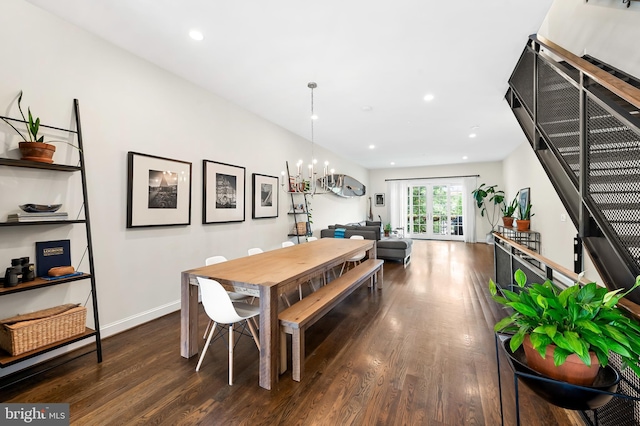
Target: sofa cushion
395, 243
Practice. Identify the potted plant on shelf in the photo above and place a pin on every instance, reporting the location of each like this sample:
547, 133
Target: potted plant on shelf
487, 199
576, 328
524, 217
32, 148
508, 210
387, 229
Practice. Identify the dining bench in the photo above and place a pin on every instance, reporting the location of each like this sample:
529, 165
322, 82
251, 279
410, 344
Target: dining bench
303, 314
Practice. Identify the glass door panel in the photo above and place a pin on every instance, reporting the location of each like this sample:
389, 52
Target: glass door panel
435, 211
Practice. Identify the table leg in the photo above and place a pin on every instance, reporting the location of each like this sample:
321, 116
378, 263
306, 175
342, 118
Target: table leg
188, 317
269, 336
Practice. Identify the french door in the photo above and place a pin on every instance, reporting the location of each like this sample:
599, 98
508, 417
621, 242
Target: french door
434, 211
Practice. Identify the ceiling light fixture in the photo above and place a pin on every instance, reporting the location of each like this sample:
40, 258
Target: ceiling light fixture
372, 146
298, 183
393, 163
196, 35
429, 97
465, 157
472, 135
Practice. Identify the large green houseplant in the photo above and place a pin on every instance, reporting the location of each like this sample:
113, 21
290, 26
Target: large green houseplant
577, 320
488, 199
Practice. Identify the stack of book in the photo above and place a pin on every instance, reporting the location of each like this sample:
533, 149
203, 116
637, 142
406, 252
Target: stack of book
37, 217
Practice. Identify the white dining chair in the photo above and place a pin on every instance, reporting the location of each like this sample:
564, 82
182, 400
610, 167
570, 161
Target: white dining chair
235, 297
222, 310
287, 244
355, 259
254, 250
309, 239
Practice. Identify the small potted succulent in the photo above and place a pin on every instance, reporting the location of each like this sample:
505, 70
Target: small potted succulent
508, 210
574, 328
524, 217
33, 147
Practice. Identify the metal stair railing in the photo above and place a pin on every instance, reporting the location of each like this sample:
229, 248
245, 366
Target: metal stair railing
582, 118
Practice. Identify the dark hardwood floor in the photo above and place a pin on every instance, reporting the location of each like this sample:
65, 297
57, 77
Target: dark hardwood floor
419, 352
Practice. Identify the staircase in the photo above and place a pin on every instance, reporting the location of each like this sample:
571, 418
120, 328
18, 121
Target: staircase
582, 118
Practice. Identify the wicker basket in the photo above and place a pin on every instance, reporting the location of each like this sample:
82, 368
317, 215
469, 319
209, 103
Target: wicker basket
24, 333
302, 228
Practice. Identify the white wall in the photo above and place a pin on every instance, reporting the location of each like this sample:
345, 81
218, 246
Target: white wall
490, 173
604, 29
128, 104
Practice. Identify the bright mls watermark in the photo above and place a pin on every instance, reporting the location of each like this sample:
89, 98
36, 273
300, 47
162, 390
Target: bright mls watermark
34, 414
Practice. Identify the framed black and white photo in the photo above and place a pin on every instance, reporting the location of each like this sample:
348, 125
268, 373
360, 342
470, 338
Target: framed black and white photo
265, 196
223, 191
379, 200
158, 191
524, 199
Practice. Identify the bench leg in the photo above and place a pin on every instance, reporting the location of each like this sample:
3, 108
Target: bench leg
297, 353
379, 278
283, 351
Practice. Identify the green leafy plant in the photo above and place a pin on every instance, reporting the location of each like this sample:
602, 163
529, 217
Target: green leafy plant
508, 210
578, 319
488, 196
33, 126
387, 227
524, 212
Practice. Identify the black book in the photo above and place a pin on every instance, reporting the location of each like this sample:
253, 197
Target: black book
50, 254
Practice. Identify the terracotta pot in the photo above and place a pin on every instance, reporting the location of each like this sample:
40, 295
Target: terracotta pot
523, 225
573, 370
507, 221
387, 233
37, 151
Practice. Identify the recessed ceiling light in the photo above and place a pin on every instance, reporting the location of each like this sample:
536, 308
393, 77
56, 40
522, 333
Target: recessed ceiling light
465, 157
314, 117
472, 135
196, 35
393, 163
367, 108
428, 97
372, 146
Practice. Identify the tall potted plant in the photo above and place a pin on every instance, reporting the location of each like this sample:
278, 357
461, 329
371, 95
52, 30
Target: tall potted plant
33, 147
578, 327
488, 198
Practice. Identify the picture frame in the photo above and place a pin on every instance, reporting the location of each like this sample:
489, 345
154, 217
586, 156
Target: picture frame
223, 192
379, 200
524, 198
158, 191
265, 196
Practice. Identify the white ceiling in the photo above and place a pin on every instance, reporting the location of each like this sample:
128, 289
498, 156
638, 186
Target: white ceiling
382, 54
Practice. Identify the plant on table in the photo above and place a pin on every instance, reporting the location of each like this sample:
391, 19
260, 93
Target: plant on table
387, 229
487, 199
508, 210
577, 320
524, 217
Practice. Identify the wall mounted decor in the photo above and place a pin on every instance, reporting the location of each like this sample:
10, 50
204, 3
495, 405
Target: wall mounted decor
158, 191
223, 192
265, 196
524, 198
379, 200
342, 185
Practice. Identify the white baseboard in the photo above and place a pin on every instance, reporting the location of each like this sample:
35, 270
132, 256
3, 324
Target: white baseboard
137, 319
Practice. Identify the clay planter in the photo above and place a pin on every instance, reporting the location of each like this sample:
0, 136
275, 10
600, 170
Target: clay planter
37, 151
507, 221
523, 225
573, 370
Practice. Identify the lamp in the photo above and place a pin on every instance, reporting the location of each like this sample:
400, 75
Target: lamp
297, 182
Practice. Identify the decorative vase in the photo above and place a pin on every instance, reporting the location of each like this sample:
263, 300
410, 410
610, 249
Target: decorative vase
573, 370
37, 151
507, 221
523, 225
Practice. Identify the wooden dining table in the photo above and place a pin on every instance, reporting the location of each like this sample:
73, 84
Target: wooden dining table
266, 276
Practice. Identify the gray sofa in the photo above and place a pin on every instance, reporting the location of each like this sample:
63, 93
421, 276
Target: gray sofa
387, 248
